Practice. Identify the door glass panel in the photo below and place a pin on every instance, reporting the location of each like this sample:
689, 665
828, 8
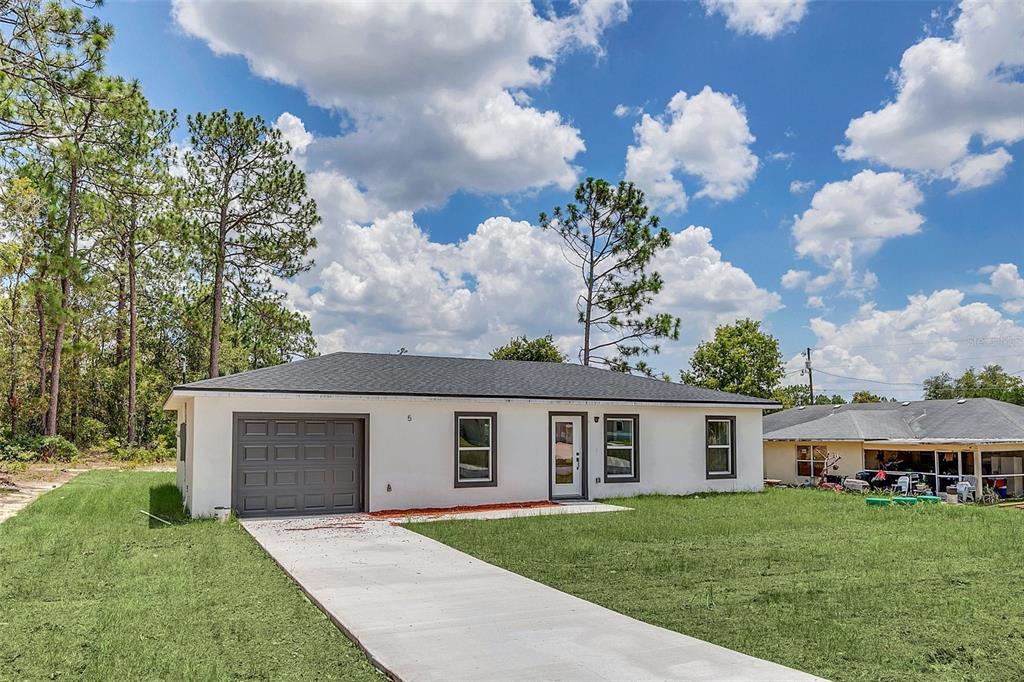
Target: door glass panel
563, 453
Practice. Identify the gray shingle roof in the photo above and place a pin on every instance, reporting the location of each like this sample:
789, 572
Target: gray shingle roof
975, 419
415, 375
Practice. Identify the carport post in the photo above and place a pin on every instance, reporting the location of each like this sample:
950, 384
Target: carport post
976, 449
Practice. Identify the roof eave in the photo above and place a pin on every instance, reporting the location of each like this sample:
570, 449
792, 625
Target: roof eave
191, 391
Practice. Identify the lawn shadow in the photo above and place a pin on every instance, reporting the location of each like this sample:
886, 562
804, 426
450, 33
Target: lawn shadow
165, 503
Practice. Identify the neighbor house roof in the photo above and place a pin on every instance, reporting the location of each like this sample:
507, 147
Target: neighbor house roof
413, 375
970, 420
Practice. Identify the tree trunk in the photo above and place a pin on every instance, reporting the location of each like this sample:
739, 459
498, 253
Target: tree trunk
12, 388
41, 357
76, 386
218, 297
133, 342
65, 292
119, 326
589, 309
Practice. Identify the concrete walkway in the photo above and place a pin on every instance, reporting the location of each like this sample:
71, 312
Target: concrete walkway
573, 507
423, 611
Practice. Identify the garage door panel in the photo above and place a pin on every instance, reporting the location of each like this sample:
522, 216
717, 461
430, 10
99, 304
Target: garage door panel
254, 453
254, 479
315, 428
311, 477
314, 453
297, 465
286, 477
255, 427
286, 453
314, 501
286, 428
254, 503
344, 499
345, 453
286, 503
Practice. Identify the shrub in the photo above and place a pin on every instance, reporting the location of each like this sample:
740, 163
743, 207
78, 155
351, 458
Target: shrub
158, 451
21, 450
15, 451
90, 432
59, 448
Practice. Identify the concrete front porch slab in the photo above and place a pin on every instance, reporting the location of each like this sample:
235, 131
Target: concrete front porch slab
566, 507
424, 611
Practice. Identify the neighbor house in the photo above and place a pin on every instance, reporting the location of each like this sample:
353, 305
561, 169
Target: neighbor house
943, 441
357, 431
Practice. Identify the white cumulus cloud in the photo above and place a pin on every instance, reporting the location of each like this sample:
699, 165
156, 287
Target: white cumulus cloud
1006, 282
849, 220
433, 93
957, 100
388, 285
705, 136
765, 18
932, 333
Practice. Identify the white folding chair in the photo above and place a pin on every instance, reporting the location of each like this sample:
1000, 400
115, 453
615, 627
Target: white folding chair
903, 485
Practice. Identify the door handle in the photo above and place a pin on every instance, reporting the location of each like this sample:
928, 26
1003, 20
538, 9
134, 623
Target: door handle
577, 461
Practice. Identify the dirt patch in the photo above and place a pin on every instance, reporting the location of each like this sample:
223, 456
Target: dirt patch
468, 509
20, 487
15, 499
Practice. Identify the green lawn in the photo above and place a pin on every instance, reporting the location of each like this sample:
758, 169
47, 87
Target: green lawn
806, 578
91, 589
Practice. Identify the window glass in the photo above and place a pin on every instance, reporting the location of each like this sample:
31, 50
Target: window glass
474, 456
804, 455
620, 432
718, 460
619, 447
718, 432
563, 453
474, 432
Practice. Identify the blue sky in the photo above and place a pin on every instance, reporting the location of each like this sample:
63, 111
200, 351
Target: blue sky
416, 180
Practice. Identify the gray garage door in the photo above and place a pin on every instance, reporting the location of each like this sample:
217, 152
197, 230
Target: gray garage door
297, 464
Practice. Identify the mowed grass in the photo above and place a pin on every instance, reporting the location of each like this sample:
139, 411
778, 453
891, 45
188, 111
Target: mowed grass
810, 579
92, 589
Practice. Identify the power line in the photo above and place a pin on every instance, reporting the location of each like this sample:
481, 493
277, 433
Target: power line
1019, 339
873, 381
918, 384
980, 357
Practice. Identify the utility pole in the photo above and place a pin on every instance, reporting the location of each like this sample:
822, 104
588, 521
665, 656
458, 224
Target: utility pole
810, 375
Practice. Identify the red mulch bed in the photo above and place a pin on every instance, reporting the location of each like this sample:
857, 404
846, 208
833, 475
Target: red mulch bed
439, 511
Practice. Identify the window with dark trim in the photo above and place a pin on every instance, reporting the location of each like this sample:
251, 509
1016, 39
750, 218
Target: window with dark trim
720, 447
621, 448
476, 449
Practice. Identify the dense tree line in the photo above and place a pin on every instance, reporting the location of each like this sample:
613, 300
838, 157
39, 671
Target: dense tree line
992, 381
129, 263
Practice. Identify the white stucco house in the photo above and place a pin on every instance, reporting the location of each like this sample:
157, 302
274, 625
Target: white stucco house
368, 432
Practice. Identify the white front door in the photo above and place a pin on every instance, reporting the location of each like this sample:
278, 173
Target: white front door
566, 456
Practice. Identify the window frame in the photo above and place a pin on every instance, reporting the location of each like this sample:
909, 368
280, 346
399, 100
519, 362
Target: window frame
716, 475
813, 463
492, 479
634, 477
